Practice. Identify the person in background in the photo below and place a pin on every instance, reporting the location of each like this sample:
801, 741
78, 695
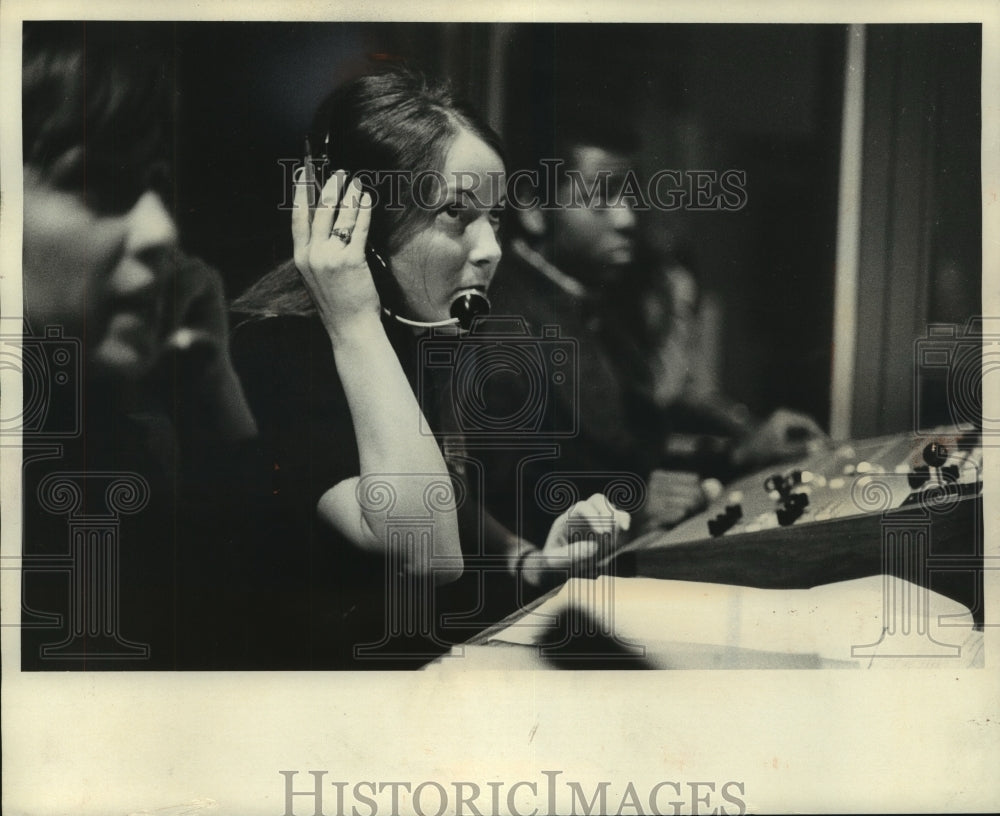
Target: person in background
673, 374
574, 261
125, 351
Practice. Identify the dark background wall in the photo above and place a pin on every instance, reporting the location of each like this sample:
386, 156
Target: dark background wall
763, 99
921, 232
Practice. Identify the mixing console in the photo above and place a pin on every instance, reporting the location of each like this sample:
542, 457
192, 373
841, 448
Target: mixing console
896, 504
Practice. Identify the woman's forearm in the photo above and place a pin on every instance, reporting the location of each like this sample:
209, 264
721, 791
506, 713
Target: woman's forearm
403, 473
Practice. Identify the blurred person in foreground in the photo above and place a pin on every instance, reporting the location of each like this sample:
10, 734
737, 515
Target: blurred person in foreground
140, 398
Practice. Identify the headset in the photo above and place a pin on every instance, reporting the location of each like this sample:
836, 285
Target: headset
467, 304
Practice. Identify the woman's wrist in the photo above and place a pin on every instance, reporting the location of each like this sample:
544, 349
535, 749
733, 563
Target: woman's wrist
531, 567
357, 330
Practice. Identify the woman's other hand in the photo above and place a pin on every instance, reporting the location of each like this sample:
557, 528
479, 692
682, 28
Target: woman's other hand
584, 535
589, 530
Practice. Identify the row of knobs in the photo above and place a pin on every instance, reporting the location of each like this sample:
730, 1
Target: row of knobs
792, 505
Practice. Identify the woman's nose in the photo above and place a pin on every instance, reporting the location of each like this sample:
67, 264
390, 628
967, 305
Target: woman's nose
485, 252
151, 227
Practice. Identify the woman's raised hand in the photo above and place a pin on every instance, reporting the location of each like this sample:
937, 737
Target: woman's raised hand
329, 249
330, 243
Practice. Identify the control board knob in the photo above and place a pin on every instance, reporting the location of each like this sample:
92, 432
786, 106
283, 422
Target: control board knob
935, 454
787, 515
723, 521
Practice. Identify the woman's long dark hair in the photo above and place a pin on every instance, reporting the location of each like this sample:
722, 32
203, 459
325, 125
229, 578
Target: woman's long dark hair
387, 127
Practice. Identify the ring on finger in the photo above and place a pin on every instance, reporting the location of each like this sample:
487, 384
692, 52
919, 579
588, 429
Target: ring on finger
343, 234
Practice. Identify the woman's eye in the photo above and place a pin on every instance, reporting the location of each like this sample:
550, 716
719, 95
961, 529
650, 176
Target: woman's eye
460, 216
457, 216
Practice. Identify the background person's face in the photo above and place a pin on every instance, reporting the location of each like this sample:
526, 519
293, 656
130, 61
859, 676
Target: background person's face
593, 242
458, 249
99, 276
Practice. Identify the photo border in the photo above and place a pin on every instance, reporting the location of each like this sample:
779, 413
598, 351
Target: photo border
172, 743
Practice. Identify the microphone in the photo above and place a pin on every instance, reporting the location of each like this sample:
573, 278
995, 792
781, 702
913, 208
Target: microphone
465, 307
469, 305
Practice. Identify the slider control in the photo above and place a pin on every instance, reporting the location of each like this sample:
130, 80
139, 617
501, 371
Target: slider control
935, 455
793, 507
722, 522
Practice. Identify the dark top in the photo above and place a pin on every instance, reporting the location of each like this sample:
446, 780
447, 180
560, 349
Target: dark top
342, 598
127, 551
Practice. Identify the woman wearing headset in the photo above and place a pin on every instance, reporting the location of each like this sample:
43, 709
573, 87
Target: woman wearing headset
403, 238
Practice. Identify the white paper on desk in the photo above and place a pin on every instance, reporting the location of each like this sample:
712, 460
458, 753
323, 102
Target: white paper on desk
874, 622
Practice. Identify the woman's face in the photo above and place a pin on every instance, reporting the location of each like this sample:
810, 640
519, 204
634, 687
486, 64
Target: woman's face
459, 248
